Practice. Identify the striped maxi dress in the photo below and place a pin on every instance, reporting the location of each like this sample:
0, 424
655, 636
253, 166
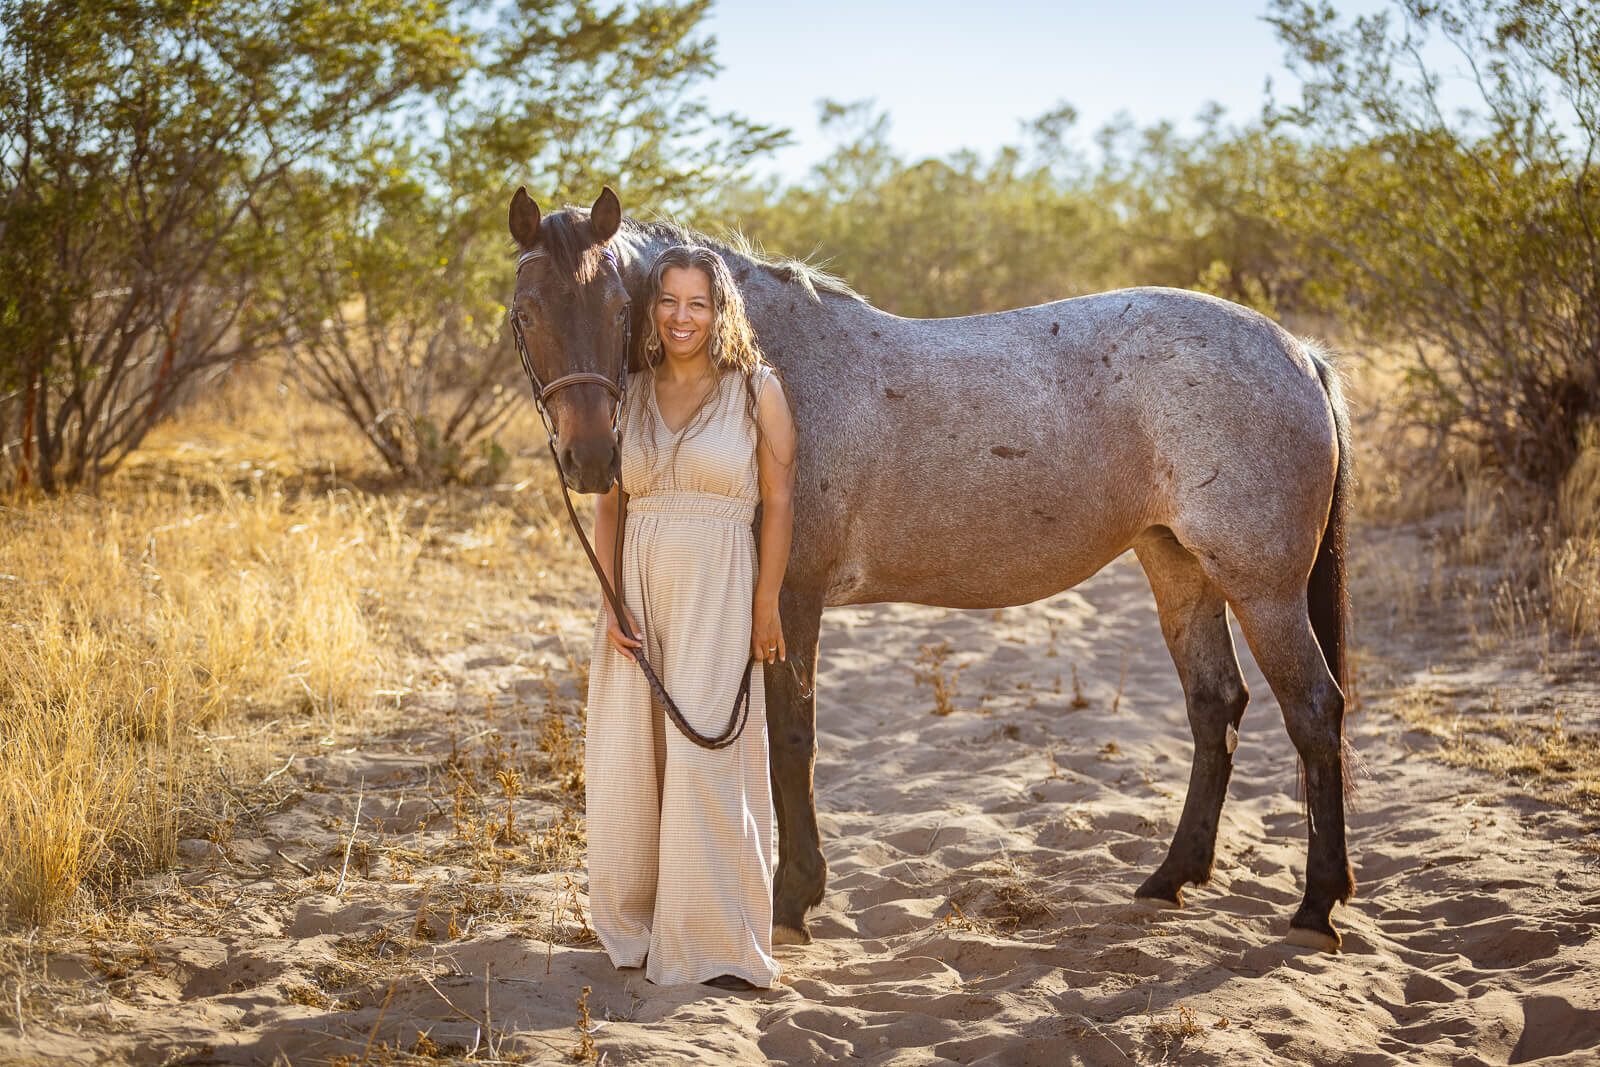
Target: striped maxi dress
682, 839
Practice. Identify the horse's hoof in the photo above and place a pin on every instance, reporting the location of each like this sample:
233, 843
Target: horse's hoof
1163, 888
1315, 939
788, 935
1160, 903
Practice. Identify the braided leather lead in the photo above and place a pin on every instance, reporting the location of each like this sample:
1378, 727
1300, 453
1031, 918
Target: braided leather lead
741, 701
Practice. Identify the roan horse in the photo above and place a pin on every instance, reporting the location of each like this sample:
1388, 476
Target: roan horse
997, 459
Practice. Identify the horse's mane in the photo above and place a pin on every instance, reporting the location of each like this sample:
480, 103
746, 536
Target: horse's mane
737, 247
567, 242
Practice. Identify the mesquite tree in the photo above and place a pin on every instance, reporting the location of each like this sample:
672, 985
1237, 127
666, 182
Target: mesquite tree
139, 142
393, 307
1470, 235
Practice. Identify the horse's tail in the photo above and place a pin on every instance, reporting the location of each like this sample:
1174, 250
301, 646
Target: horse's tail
1327, 592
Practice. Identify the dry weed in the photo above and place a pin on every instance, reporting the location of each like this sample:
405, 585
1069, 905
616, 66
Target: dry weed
558, 845
1528, 745
957, 919
563, 749
930, 670
584, 1051
1005, 894
1171, 1035
1078, 699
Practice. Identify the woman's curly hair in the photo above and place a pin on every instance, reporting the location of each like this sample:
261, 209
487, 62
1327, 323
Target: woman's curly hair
732, 345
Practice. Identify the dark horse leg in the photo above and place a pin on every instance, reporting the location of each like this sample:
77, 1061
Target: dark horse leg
1194, 622
1279, 632
792, 736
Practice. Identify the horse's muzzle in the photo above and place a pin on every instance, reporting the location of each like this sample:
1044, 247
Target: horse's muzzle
591, 466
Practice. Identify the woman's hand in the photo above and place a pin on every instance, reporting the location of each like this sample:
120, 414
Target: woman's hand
766, 631
615, 635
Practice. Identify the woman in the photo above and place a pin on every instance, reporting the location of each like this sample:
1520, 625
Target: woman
681, 839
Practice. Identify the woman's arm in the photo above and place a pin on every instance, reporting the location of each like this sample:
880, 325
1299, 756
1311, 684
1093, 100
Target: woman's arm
607, 508
775, 456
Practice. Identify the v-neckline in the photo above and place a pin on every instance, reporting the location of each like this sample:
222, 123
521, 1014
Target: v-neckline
655, 406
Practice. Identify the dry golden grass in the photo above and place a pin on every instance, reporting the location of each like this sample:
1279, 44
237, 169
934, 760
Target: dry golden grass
1509, 565
1456, 568
133, 624
1573, 563
1530, 745
248, 579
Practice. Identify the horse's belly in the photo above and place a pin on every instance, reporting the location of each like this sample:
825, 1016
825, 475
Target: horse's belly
995, 557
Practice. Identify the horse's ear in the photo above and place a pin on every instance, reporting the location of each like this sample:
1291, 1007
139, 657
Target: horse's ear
605, 218
524, 219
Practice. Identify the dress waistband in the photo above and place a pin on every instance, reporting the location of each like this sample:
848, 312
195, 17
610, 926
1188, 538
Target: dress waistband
688, 504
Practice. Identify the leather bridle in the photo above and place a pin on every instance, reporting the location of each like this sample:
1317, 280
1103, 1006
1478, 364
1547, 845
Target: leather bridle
618, 389
542, 392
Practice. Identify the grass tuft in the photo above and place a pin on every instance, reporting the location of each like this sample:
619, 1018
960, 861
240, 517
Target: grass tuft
242, 585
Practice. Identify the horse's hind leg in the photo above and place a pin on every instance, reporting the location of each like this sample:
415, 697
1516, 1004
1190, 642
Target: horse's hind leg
1278, 630
1194, 622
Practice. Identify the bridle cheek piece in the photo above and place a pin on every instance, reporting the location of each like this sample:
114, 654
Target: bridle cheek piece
619, 391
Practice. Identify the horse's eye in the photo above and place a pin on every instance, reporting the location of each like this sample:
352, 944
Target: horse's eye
522, 316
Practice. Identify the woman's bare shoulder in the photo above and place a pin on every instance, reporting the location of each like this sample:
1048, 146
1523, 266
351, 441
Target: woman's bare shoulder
766, 382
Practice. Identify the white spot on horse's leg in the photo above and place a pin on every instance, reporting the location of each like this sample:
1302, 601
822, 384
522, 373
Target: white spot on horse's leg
1232, 739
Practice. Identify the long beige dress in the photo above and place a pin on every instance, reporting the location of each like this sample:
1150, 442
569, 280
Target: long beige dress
681, 839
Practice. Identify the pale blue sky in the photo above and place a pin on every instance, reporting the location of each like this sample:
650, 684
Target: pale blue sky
954, 75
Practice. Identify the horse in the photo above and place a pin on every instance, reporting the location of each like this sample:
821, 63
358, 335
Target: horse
993, 460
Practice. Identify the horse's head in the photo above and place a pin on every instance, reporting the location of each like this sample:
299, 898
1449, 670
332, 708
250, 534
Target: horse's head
570, 314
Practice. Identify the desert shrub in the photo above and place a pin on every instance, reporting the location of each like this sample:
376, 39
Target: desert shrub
1471, 235
140, 142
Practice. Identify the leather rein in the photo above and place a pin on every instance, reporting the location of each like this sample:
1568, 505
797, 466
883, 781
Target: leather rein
618, 389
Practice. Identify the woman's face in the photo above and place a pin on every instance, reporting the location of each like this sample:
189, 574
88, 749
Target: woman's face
684, 313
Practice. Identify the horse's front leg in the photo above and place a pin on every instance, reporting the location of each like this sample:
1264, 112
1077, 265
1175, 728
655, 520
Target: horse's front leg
792, 735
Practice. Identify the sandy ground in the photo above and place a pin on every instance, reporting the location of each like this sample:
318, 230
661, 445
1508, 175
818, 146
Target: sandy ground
979, 907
